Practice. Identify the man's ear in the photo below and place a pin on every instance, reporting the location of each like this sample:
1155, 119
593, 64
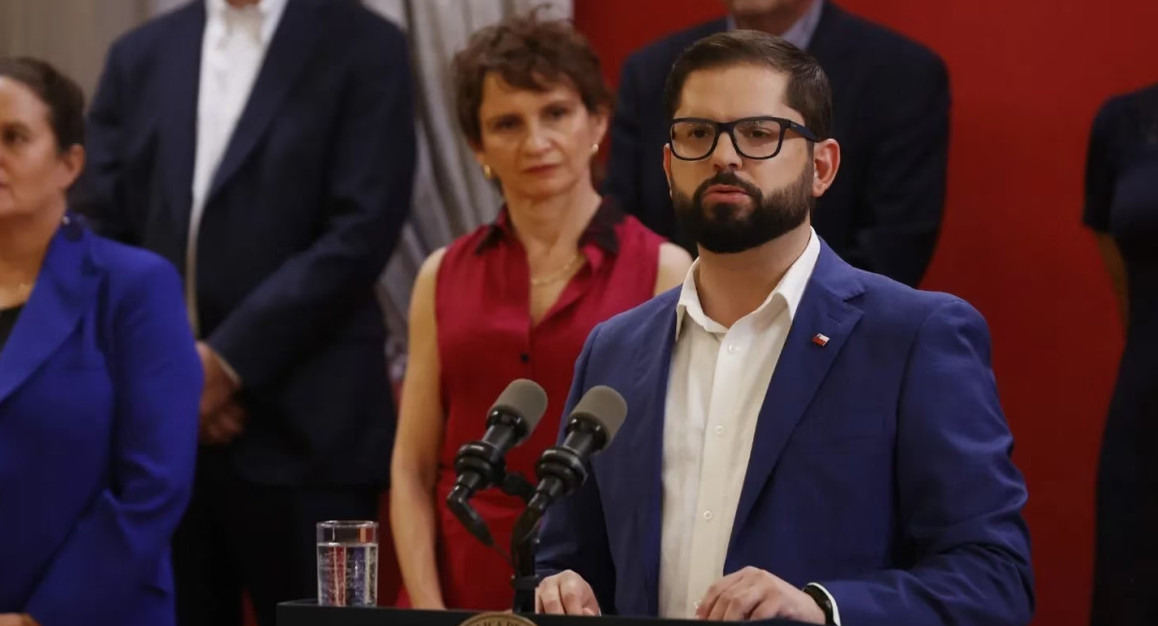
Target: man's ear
825, 163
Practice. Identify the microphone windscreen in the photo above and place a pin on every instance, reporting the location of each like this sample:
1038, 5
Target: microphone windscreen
604, 405
524, 398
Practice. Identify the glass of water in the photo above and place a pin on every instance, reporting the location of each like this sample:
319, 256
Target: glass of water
347, 563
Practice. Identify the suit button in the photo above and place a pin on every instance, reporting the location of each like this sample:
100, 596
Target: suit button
525, 358
708, 515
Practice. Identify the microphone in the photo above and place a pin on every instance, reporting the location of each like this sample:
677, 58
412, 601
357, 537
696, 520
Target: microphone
591, 426
479, 464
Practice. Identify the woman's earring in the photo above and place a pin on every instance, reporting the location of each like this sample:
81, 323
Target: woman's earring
488, 172
595, 148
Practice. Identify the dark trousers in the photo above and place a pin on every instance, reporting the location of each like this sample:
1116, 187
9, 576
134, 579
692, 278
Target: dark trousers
239, 537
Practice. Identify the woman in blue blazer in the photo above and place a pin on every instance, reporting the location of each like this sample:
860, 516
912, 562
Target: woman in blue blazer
99, 386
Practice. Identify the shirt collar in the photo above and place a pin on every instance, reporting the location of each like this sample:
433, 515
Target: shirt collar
800, 33
219, 12
789, 291
600, 231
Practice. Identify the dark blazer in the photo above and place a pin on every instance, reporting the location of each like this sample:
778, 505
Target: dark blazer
302, 215
891, 117
880, 465
99, 387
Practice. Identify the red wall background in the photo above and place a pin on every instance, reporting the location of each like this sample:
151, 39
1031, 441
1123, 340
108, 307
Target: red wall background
1027, 77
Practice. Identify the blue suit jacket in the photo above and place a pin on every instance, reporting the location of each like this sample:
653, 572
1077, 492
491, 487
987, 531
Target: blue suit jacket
880, 466
99, 386
890, 114
301, 216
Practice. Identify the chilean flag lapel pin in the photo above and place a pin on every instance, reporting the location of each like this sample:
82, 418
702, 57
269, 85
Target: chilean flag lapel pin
820, 339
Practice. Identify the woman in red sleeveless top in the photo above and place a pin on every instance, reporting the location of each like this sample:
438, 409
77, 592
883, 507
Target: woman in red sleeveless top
514, 299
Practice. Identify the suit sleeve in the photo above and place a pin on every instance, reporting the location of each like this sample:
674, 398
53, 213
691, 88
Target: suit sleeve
1100, 171
99, 193
573, 534
371, 171
903, 195
116, 546
960, 495
623, 176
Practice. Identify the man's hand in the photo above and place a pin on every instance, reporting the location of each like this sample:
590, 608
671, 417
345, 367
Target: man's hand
219, 387
754, 594
565, 593
223, 426
222, 417
16, 619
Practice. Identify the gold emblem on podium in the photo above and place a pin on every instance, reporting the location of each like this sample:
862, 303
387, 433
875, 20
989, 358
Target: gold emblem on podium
497, 619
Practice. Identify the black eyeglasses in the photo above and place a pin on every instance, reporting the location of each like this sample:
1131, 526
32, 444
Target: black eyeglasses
694, 138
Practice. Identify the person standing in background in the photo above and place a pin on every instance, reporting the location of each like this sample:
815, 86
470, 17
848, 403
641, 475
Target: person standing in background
267, 149
514, 299
1121, 207
892, 120
99, 386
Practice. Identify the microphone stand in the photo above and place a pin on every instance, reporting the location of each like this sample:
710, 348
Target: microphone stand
524, 544
524, 540
556, 468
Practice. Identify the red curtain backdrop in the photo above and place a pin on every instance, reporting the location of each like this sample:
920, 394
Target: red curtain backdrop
1027, 78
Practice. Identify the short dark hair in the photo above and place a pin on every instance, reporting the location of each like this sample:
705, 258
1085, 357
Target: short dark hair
808, 89
62, 96
528, 53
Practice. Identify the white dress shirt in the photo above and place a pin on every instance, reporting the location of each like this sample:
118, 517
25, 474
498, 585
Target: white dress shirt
232, 51
715, 391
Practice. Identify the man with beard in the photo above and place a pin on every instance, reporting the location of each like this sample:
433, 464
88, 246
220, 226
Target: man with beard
891, 117
804, 440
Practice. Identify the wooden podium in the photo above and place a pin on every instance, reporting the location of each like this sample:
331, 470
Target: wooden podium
308, 613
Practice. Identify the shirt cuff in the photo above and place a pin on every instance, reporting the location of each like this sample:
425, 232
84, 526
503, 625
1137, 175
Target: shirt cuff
831, 600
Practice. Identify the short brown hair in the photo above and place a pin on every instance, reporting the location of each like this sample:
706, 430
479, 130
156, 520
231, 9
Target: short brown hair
808, 89
63, 98
528, 53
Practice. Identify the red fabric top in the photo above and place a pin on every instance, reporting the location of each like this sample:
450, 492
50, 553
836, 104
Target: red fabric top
486, 340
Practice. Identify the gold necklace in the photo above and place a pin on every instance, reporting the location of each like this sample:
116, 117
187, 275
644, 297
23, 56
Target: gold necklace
562, 273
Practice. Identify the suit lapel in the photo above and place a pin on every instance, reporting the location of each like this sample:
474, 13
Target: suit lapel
653, 360
801, 368
832, 44
64, 291
829, 38
181, 78
290, 49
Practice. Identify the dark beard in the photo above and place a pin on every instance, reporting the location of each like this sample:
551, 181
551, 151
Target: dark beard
720, 229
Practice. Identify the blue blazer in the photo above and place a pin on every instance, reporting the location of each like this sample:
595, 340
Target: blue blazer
302, 214
99, 388
880, 466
